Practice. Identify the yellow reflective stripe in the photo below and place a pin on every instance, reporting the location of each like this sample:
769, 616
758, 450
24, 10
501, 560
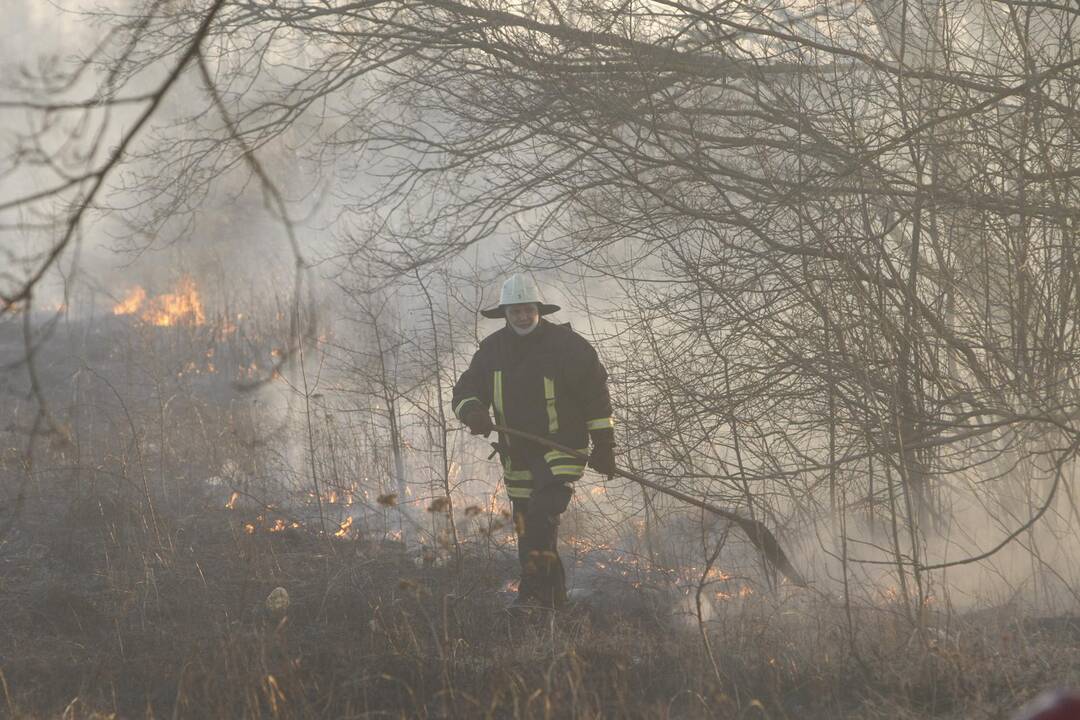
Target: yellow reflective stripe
600, 423
514, 475
553, 455
519, 483
549, 395
457, 408
497, 402
564, 464
497, 398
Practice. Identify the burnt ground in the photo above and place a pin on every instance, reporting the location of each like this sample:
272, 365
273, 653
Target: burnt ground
105, 613
128, 589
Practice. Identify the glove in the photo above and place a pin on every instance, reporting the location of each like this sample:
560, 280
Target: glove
602, 459
478, 420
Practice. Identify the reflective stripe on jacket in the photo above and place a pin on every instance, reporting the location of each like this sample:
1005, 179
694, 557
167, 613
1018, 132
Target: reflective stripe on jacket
549, 383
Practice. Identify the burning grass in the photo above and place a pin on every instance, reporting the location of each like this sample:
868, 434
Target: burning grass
182, 306
100, 616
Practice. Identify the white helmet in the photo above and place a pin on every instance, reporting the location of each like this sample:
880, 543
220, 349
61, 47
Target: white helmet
518, 289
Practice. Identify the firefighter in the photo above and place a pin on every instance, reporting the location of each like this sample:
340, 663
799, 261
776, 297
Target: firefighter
545, 379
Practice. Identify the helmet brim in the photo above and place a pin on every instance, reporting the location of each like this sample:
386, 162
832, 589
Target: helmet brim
500, 311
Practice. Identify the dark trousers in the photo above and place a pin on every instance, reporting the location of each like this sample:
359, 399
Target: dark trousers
536, 520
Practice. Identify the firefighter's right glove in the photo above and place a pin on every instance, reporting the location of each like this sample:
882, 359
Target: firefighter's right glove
602, 459
478, 420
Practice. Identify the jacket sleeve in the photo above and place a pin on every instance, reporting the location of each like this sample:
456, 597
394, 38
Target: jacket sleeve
591, 381
472, 386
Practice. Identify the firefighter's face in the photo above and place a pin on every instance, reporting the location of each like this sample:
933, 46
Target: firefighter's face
523, 315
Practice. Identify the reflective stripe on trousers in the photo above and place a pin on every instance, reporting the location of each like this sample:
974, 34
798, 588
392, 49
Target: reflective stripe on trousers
536, 520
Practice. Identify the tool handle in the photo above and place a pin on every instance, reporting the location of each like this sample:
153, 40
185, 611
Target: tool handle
761, 537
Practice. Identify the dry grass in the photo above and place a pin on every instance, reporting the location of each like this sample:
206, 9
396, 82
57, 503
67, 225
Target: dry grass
128, 590
99, 619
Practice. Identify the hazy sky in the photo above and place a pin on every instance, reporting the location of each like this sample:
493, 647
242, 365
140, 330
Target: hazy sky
42, 27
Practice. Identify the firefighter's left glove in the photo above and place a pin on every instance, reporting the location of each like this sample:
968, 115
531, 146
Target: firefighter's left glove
602, 459
477, 419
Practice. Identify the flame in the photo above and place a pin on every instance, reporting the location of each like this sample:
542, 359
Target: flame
131, 302
232, 500
716, 573
343, 531
182, 306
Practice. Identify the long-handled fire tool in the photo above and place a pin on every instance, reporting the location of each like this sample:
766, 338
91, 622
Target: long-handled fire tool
759, 535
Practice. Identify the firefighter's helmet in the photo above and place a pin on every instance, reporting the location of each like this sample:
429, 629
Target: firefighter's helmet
519, 289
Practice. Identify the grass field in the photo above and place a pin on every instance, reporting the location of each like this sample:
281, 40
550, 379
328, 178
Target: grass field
138, 552
104, 615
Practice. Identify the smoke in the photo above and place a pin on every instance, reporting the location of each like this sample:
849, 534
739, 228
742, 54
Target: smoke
157, 218
1037, 570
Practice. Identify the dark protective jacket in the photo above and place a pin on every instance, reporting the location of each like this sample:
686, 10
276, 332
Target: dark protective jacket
549, 383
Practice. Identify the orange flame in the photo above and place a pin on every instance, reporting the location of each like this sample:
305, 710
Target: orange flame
180, 307
343, 531
131, 302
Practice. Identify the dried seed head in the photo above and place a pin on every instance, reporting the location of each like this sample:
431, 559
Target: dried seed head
278, 600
